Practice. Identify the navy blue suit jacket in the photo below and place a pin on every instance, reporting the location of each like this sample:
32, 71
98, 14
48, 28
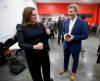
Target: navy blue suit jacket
79, 31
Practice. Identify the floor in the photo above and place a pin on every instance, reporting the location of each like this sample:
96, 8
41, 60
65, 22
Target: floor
88, 70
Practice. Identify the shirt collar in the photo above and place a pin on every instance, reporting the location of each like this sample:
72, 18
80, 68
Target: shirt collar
74, 19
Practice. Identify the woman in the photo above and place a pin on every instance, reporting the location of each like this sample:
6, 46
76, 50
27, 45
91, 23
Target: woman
32, 39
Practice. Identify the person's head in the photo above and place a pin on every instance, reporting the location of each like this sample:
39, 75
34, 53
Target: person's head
29, 16
83, 17
59, 18
49, 19
72, 10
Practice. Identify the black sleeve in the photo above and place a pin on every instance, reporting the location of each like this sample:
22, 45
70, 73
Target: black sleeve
20, 38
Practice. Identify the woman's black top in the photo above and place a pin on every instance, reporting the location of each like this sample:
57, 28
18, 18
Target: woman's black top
30, 35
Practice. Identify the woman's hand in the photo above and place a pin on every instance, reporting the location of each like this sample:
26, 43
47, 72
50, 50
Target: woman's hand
38, 46
48, 31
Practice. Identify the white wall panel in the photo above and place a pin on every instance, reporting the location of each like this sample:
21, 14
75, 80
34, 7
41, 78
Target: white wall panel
10, 15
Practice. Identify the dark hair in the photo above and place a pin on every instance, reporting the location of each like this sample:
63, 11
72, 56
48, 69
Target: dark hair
27, 13
82, 16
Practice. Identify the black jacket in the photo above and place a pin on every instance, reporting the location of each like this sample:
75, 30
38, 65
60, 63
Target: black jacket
31, 35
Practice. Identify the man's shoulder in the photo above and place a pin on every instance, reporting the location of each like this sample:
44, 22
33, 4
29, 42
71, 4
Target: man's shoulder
80, 20
67, 20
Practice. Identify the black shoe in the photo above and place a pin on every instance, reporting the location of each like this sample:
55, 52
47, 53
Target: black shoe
58, 42
51, 79
98, 62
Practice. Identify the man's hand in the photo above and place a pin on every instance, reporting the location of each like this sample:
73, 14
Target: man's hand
68, 37
65, 36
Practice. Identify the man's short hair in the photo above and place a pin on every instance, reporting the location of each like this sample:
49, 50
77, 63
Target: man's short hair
74, 6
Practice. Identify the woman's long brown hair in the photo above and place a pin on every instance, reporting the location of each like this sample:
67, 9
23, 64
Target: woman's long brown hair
26, 16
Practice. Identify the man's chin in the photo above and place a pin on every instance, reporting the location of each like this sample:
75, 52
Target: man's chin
71, 17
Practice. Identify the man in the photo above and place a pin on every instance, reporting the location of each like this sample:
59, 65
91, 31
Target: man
98, 51
98, 31
60, 28
74, 32
51, 27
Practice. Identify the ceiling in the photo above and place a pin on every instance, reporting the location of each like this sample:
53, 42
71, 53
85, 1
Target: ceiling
67, 1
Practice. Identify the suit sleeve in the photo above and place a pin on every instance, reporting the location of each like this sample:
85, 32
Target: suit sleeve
83, 32
20, 38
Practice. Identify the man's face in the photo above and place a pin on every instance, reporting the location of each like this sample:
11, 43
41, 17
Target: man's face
72, 13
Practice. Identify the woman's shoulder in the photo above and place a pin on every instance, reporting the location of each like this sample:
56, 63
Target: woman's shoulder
18, 27
39, 23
